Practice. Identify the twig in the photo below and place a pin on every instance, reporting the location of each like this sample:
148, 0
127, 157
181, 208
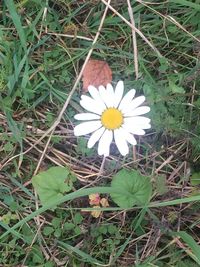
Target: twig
43, 20
71, 36
169, 158
135, 50
43, 154
102, 167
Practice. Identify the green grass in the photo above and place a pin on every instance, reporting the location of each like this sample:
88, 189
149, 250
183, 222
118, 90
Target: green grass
38, 69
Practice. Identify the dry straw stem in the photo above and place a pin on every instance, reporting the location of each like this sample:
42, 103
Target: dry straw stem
132, 27
57, 121
71, 36
169, 158
135, 50
181, 27
43, 20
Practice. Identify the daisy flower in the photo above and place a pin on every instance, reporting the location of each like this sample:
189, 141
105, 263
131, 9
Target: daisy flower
112, 116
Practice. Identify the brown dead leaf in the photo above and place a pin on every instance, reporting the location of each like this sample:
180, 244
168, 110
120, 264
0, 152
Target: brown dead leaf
96, 73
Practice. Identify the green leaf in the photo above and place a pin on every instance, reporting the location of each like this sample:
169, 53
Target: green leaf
52, 184
84, 256
83, 149
192, 244
58, 232
56, 222
138, 186
175, 88
17, 22
77, 218
68, 226
161, 184
187, 3
186, 263
8, 147
112, 229
15, 128
195, 178
48, 230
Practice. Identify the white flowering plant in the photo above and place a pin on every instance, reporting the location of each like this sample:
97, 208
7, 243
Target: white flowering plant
111, 115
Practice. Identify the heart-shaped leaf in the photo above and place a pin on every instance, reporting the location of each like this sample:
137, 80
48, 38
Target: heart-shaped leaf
52, 184
135, 189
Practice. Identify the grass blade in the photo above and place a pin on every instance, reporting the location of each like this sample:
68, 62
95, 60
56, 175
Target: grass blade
191, 243
85, 257
186, 3
17, 22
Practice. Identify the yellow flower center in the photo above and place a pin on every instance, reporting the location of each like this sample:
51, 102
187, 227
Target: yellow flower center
112, 118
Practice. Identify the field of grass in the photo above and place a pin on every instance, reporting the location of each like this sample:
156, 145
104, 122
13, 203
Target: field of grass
154, 47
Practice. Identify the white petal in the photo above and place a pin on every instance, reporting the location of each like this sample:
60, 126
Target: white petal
134, 129
119, 90
121, 141
95, 95
104, 95
138, 111
91, 105
146, 126
86, 127
135, 125
110, 89
134, 104
93, 92
127, 99
86, 116
95, 137
111, 95
104, 143
130, 139
137, 120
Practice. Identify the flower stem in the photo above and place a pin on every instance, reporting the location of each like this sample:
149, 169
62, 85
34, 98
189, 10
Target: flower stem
102, 167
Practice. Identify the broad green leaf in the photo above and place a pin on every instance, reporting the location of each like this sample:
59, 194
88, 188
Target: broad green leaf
195, 179
138, 187
52, 184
